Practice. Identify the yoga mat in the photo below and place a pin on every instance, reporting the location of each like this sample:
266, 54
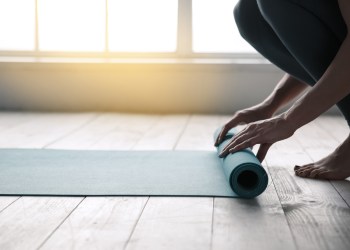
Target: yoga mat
129, 173
242, 170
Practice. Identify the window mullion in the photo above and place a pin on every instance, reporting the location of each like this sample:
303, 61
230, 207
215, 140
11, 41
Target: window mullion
184, 28
36, 28
106, 31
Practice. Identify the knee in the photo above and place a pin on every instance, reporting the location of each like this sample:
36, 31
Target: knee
270, 9
244, 17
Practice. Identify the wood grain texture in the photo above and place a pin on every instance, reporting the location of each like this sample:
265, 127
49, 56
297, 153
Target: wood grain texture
249, 224
174, 223
178, 222
338, 129
30, 220
108, 132
9, 120
42, 130
104, 223
317, 214
98, 223
6, 201
292, 213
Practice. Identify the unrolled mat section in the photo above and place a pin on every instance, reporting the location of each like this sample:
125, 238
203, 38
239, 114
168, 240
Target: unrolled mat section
130, 173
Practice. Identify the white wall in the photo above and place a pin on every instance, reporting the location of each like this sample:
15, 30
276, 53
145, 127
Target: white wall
166, 87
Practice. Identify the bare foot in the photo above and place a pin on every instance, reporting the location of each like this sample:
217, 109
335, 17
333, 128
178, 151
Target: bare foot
335, 166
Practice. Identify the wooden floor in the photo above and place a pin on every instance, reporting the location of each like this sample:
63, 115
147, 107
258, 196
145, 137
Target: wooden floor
293, 213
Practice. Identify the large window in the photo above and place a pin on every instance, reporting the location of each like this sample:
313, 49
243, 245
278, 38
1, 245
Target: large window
113, 27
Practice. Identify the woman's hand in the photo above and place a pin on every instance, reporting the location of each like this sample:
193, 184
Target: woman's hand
245, 116
265, 133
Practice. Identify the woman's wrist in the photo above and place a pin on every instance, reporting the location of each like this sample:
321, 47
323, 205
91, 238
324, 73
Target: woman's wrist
268, 108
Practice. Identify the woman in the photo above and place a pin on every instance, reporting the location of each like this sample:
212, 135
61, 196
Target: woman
308, 40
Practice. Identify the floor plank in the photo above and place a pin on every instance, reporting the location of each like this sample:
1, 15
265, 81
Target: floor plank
98, 223
9, 120
248, 224
6, 201
164, 134
30, 220
317, 215
33, 219
293, 211
251, 224
112, 220
174, 222
337, 127
198, 134
108, 132
43, 130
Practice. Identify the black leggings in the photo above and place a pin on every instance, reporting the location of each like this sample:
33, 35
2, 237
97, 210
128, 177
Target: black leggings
301, 37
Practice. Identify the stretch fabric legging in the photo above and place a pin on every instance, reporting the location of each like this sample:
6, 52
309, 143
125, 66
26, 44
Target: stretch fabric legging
301, 37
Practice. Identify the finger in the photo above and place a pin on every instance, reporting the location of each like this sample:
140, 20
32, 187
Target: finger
263, 151
246, 144
240, 137
231, 124
222, 135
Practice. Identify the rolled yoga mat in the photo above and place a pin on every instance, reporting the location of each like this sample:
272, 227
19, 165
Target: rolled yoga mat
130, 173
242, 169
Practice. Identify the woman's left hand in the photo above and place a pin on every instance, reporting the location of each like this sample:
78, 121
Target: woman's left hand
264, 132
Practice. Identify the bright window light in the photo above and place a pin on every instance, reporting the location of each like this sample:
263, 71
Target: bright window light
71, 25
142, 25
17, 24
214, 28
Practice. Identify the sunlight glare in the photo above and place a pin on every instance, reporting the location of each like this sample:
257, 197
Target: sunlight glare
17, 24
71, 25
214, 28
142, 26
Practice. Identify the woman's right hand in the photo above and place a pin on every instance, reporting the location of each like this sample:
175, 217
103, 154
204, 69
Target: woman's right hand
245, 116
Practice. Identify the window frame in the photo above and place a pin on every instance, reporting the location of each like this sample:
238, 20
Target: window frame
183, 50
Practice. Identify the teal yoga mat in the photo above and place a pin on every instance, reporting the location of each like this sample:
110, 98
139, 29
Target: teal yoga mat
130, 173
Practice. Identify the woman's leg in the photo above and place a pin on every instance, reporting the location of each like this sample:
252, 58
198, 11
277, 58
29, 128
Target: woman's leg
313, 30
256, 31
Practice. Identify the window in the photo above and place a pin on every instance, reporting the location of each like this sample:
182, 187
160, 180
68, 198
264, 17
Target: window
120, 27
142, 25
17, 25
214, 28
71, 25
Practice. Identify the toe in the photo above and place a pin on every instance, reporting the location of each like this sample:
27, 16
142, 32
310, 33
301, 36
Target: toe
315, 172
304, 171
298, 168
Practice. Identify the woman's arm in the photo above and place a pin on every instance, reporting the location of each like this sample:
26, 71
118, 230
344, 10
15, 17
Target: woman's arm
287, 89
333, 86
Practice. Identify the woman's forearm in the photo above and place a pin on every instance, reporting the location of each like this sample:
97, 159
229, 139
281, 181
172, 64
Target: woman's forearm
286, 90
331, 88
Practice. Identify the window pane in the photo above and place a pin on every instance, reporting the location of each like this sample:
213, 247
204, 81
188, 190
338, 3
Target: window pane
214, 28
142, 25
71, 25
17, 24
